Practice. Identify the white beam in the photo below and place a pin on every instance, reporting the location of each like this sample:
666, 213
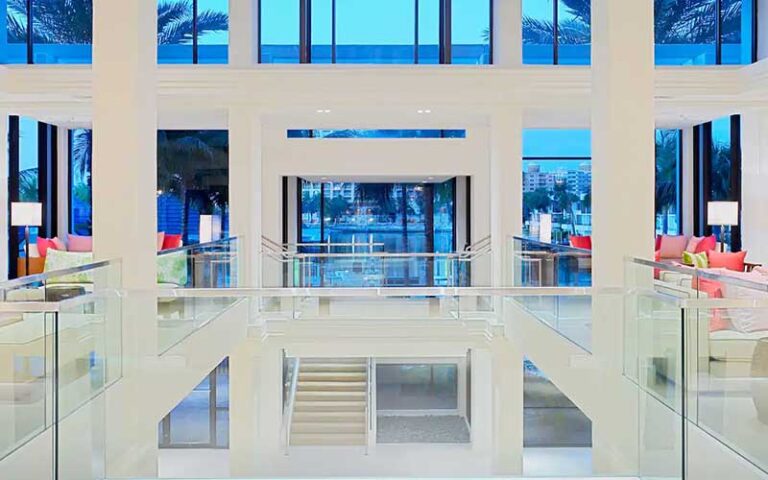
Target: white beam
507, 33
243, 32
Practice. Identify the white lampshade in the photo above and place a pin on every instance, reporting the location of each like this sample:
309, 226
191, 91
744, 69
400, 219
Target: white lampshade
26, 214
722, 213
210, 228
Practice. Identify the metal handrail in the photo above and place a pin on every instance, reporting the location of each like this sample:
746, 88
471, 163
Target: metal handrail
288, 413
197, 246
42, 277
368, 403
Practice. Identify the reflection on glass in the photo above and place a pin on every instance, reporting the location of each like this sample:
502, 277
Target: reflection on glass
417, 387
375, 31
62, 31
573, 33
538, 32
685, 34
279, 30
80, 204
192, 180
174, 31
668, 188
721, 159
16, 33
429, 31
471, 32
213, 31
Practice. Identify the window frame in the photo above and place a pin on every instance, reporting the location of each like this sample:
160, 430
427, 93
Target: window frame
445, 32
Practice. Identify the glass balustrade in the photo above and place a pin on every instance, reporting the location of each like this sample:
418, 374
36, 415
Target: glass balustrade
204, 265
539, 264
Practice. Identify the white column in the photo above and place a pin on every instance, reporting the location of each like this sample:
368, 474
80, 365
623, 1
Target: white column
482, 428
243, 32
242, 410
687, 186
623, 166
754, 196
245, 191
507, 408
507, 33
4, 220
125, 137
762, 21
506, 181
125, 213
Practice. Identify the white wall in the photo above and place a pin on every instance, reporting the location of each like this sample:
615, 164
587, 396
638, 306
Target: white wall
754, 194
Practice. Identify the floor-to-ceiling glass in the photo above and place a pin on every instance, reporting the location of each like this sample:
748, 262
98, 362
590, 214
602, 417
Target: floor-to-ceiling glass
668, 203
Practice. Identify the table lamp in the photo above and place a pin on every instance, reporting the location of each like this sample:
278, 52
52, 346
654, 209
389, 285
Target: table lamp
722, 214
26, 214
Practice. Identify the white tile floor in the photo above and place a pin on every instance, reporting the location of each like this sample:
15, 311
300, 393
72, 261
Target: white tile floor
542, 462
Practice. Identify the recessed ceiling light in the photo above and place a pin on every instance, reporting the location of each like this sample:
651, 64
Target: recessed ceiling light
430, 178
323, 110
423, 111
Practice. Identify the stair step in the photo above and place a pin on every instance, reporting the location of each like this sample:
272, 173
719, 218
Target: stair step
332, 386
336, 439
324, 376
335, 396
328, 406
338, 361
325, 427
332, 367
319, 416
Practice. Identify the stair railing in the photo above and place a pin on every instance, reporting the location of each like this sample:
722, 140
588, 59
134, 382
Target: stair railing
369, 411
289, 406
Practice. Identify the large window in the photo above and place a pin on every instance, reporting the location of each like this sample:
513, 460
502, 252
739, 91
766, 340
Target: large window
396, 217
192, 180
669, 182
556, 32
31, 178
192, 31
717, 173
201, 420
376, 31
687, 32
189, 31
557, 181
80, 168
378, 133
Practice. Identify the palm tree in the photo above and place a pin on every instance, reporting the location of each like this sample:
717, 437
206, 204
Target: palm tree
676, 21
563, 200
667, 155
71, 21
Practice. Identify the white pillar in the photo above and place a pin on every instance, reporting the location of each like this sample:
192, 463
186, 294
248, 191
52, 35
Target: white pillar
245, 191
506, 181
125, 213
507, 408
762, 21
623, 176
507, 33
243, 32
242, 410
125, 137
482, 428
754, 197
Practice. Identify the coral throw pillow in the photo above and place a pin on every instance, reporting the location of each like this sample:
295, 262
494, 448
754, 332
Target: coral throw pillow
43, 244
80, 244
160, 240
706, 244
584, 242
730, 261
658, 243
673, 246
171, 241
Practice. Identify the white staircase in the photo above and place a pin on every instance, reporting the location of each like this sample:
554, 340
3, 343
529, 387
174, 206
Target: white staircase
330, 403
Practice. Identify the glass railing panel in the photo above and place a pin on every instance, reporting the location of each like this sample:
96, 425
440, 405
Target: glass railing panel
180, 317
205, 265
26, 378
569, 315
63, 284
538, 264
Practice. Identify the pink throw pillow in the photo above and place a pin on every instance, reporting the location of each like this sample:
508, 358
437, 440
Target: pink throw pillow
43, 244
80, 244
693, 243
707, 244
658, 243
673, 246
60, 245
729, 260
160, 240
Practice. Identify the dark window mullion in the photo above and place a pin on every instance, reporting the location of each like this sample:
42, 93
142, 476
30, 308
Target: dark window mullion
735, 193
305, 31
679, 178
13, 192
415, 32
195, 54
719, 32
333, 31
555, 33
445, 31
30, 34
